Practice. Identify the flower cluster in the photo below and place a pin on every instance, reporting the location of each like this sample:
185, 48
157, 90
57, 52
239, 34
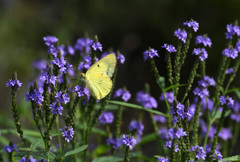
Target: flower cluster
226, 100
170, 48
203, 55
163, 159
200, 153
106, 118
169, 97
230, 52
193, 24
201, 90
35, 95
10, 148
229, 70
204, 39
14, 84
181, 35
232, 30
129, 141
217, 155
114, 142
179, 111
67, 133
150, 53
27, 159
125, 94
146, 100
137, 127
81, 91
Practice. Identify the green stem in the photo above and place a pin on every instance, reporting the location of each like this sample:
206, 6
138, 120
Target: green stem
63, 149
58, 132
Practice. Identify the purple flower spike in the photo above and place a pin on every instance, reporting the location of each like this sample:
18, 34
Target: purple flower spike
193, 24
136, 126
146, 100
229, 52
125, 94
205, 40
170, 48
203, 55
121, 58
81, 91
96, 45
129, 141
50, 40
56, 108
200, 153
67, 133
150, 54
163, 159
10, 148
114, 142
181, 34
106, 118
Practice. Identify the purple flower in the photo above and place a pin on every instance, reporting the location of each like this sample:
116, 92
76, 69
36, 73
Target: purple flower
106, 118
13, 84
27, 159
163, 159
181, 34
121, 58
176, 133
170, 48
163, 132
229, 70
85, 64
169, 96
129, 141
81, 91
67, 133
207, 104
56, 108
114, 142
212, 130
124, 93
35, 96
96, 45
235, 117
225, 134
238, 46
83, 45
226, 100
10, 148
50, 40
159, 118
217, 155
70, 50
150, 53
169, 145
203, 55
233, 53
191, 111
206, 81
62, 98
193, 24
39, 64
61, 63
204, 39
136, 127
232, 30
50, 79
146, 100
200, 153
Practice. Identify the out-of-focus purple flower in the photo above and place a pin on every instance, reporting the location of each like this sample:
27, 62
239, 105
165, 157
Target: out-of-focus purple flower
35, 96
200, 153
61, 63
225, 134
204, 39
163, 132
136, 127
27, 159
212, 130
181, 34
191, 111
169, 96
96, 45
232, 30
207, 104
83, 45
160, 118
106, 118
129, 141
233, 53
146, 100
14, 84
179, 111
150, 53
163, 159
203, 55
229, 70
114, 142
50, 79
193, 24
235, 117
56, 108
62, 50
206, 81
121, 58
81, 91
50, 40
176, 133
169, 145
237, 47
10, 148
170, 48
125, 94
85, 64
62, 98
67, 133
226, 100
217, 155
70, 50
39, 64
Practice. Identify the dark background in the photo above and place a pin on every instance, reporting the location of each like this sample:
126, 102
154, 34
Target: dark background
130, 26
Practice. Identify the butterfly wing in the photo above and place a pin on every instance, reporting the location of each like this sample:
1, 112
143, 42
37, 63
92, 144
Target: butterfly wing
106, 66
98, 84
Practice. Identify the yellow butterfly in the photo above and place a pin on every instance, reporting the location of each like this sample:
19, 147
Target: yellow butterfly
97, 78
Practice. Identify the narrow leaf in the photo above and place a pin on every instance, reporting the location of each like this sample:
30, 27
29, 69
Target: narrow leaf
232, 90
232, 158
108, 159
174, 86
36, 143
77, 150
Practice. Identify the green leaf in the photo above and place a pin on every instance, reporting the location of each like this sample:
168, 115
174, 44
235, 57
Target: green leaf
233, 90
94, 130
147, 138
4, 140
77, 150
161, 81
109, 159
232, 158
174, 86
26, 132
36, 143
138, 107
102, 149
238, 94
218, 115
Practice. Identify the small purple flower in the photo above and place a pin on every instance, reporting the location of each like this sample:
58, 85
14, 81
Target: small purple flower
200, 153
50, 79
235, 117
129, 141
39, 64
225, 134
232, 30
233, 53
229, 71
62, 98
163, 159
169, 96
226, 100
201, 92
27, 159
163, 132
35, 96
169, 145
181, 34
136, 127
61, 63
50, 40
193, 24
206, 81
96, 45
126, 95
160, 118
85, 64
121, 58
114, 142
146, 100
56, 108
203, 55
150, 53
204, 39
81, 91
10, 148
13, 84
70, 50
238, 46
83, 45
67, 133
170, 48
176, 133
217, 155
106, 118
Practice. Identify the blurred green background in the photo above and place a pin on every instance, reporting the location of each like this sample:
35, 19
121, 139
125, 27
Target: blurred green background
130, 26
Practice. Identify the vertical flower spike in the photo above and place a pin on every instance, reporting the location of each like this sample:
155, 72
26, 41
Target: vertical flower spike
10, 148
129, 141
193, 24
163, 159
232, 30
204, 39
67, 133
170, 48
106, 118
137, 127
150, 53
83, 45
181, 35
200, 153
